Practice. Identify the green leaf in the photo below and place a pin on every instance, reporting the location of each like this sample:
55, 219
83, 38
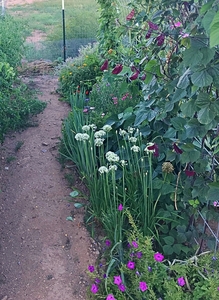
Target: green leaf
208, 55
207, 20
194, 128
169, 240
78, 205
184, 80
190, 156
201, 78
193, 53
206, 7
214, 36
189, 108
74, 194
203, 100
168, 250
206, 115
177, 248
178, 123
178, 95
181, 238
69, 219
213, 192
215, 19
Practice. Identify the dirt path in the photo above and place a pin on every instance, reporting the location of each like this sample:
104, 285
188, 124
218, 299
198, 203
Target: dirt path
42, 255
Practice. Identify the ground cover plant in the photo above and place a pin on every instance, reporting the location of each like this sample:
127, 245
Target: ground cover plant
155, 162
17, 103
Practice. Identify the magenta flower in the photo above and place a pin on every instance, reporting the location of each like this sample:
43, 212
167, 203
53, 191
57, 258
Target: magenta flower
94, 288
143, 77
131, 15
117, 280
218, 288
134, 244
117, 69
104, 65
108, 243
91, 269
155, 149
130, 265
143, 286
110, 297
134, 76
181, 281
122, 288
139, 255
148, 34
152, 26
158, 257
177, 24
120, 207
97, 281
160, 39
189, 173
177, 149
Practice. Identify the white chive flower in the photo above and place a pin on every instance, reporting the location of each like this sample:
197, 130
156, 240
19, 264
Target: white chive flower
111, 156
107, 128
79, 136
113, 167
131, 129
123, 162
99, 134
103, 170
122, 132
98, 142
148, 150
135, 148
132, 139
86, 127
93, 126
86, 137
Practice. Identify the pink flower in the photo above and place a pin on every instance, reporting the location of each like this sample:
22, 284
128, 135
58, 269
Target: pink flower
122, 288
130, 265
94, 288
91, 269
117, 69
148, 34
139, 255
160, 39
107, 243
104, 65
143, 286
177, 24
158, 257
130, 15
120, 207
117, 280
185, 35
181, 281
155, 148
153, 26
134, 244
110, 297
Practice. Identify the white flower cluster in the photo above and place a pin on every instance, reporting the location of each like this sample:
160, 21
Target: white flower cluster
135, 148
132, 139
82, 136
103, 170
122, 132
107, 128
98, 142
86, 128
112, 157
148, 150
123, 163
113, 167
99, 134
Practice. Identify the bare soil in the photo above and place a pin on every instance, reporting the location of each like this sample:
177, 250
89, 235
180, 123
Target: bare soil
42, 255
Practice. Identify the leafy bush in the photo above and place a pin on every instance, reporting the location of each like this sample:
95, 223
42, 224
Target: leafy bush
16, 107
79, 72
12, 37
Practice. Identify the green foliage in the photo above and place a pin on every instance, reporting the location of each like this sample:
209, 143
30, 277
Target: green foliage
79, 72
11, 41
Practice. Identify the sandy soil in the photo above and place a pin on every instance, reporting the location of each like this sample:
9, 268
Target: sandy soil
42, 255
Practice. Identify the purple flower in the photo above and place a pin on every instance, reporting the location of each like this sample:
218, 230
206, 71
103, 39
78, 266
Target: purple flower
189, 173
143, 77
137, 273
134, 244
94, 288
143, 286
148, 34
218, 288
177, 24
149, 269
104, 65
117, 69
104, 276
110, 297
155, 149
130, 16
130, 265
134, 76
120, 207
97, 281
152, 25
181, 281
91, 269
117, 280
108, 243
122, 288
177, 149
160, 39
139, 255
158, 257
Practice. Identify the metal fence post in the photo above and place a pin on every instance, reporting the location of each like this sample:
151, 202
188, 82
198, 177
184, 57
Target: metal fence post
63, 27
